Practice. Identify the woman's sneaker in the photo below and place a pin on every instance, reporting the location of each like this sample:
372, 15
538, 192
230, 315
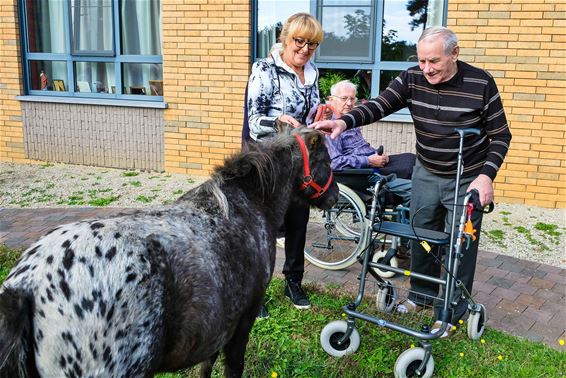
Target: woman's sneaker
263, 313
294, 291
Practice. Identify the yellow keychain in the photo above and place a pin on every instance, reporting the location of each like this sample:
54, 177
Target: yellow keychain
470, 230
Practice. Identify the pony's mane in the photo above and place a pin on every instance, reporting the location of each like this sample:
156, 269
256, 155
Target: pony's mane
256, 167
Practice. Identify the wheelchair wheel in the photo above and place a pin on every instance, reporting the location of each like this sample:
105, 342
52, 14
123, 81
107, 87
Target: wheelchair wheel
337, 236
333, 332
384, 273
409, 361
386, 297
476, 323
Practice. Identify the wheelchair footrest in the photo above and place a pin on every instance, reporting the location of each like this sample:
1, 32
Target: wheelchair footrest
406, 231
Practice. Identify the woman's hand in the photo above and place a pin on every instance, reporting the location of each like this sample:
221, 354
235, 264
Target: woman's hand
334, 128
289, 120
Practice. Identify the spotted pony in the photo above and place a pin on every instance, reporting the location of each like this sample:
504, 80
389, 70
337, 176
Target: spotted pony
165, 288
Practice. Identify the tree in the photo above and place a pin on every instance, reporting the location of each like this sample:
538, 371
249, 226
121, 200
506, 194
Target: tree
418, 9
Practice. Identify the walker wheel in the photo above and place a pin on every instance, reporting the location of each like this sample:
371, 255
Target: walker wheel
384, 273
386, 297
408, 362
332, 333
476, 323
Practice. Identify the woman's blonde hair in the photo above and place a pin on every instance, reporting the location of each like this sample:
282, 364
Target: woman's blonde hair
301, 25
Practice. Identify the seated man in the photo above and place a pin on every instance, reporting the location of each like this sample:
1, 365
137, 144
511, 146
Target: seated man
351, 150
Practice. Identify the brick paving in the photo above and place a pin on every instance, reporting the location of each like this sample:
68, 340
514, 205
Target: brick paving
523, 298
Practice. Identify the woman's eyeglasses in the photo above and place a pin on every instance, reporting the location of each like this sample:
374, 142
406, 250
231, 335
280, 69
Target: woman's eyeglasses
346, 99
300, 43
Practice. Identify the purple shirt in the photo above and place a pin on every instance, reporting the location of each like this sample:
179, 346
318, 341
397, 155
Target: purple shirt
349, 150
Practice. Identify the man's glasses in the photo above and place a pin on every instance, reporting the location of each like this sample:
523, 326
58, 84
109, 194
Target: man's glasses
300, 43
346, 99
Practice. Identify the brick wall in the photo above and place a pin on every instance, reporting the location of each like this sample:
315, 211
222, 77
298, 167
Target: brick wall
206, 62
395, 137
11, 132
522, 43
103, 136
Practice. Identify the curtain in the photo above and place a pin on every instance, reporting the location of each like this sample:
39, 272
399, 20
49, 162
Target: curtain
141, 35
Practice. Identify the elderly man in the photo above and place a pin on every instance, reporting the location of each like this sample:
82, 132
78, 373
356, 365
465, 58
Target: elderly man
442, 93
351, 150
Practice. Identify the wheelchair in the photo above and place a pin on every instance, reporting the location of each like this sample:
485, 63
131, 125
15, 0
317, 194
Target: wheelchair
337, 237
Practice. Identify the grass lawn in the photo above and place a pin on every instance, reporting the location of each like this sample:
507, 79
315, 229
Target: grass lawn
287, 344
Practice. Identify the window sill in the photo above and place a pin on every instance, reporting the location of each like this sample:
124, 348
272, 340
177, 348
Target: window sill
94, 101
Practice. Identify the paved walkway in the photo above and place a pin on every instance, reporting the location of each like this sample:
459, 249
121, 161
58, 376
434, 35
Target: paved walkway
523, 298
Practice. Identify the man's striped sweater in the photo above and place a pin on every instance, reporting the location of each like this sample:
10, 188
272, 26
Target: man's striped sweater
469, 99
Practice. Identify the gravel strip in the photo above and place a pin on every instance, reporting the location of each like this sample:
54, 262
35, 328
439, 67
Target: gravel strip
526, 232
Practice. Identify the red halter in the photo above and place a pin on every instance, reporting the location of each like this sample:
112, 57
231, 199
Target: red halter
307, 180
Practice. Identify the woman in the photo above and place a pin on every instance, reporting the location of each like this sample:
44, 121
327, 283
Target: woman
284, 86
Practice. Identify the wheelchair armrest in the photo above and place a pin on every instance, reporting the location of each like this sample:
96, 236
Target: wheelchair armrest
406, 231
353, 171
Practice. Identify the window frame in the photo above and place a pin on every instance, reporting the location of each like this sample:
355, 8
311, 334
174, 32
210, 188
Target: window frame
69, 57
375, 67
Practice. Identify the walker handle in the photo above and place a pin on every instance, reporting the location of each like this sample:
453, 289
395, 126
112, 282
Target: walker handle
463, 132
475, 200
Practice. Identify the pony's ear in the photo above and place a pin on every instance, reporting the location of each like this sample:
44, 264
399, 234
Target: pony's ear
313, 139
283, 127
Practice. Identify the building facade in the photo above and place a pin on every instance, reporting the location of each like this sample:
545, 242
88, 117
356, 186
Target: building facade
159, 85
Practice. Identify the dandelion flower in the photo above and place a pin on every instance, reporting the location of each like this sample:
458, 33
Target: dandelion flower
273, 374
561, 342
412, 345
461, 321
500, 357
461, 354
482, 341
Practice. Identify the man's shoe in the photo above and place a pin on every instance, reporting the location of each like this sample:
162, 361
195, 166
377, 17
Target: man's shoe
450, 329
294, 291
408, 307
263, 313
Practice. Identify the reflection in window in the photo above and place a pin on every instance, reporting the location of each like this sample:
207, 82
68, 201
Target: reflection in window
45, 26
48, 75
94, 77
142, 79
92, 27
140, 27
270, 19
348, 31
403, 23
386, 77
329, 77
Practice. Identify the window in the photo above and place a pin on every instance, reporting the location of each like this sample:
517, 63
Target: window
349, 27
367, 41
93, 48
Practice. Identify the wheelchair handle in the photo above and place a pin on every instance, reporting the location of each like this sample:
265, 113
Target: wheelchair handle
379, 150
463, 132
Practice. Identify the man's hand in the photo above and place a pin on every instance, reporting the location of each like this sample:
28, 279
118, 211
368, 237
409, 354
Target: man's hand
378, 161
484, 186
334, 127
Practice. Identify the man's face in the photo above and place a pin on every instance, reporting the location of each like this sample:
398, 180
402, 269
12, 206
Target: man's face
344, 100
433, 61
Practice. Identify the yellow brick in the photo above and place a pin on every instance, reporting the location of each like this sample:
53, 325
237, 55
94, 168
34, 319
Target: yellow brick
518, 194
540, 203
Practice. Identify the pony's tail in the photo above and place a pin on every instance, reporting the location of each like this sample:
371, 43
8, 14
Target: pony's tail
16, 344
